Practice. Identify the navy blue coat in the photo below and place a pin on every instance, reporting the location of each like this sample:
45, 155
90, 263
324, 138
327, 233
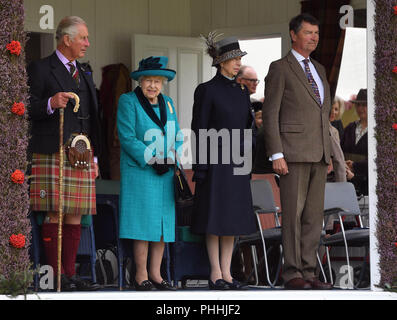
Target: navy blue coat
223, 203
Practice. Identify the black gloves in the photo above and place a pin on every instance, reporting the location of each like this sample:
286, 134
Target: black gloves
199, 176
161, 166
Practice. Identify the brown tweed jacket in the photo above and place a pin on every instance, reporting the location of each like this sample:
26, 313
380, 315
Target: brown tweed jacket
294, 122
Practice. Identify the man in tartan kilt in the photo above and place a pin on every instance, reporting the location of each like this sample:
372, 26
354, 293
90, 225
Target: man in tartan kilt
52, 81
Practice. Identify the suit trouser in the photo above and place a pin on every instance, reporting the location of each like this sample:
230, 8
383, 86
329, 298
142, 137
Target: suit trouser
302, 202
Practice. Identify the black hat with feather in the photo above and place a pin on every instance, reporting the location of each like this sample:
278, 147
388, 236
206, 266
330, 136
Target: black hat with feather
222, 50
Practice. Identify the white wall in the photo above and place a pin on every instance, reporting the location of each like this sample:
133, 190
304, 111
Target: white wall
112, 22
213, 14
248, 19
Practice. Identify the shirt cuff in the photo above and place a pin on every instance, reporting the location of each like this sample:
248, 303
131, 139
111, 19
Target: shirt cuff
49, 109
276, 156
96, 159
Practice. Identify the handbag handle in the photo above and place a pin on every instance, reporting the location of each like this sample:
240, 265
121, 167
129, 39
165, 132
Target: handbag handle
178, 170
178, 175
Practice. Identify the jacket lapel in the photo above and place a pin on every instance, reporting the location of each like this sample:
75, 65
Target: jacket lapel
297, 69
60, 73
89, 81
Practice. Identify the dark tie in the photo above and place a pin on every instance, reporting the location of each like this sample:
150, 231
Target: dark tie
74, 72
311, 80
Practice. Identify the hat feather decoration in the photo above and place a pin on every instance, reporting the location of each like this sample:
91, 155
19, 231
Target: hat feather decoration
210, 41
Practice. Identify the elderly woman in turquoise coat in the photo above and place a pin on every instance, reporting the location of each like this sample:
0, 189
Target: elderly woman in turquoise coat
149, 136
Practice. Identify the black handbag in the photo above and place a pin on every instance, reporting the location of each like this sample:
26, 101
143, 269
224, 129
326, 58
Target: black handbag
184, 199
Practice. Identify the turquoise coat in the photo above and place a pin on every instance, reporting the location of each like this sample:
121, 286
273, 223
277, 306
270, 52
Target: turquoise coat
147, 202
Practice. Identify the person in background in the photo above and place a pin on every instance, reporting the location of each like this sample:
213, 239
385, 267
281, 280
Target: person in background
248, 76
355, 144
349, 114
257, 109
339, 171
147, 200
337, 110
51, 81
261, 162
223, 203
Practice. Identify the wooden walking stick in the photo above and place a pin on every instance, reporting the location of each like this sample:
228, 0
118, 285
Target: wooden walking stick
60, 201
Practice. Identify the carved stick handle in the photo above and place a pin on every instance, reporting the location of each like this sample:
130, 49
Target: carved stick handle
77, 99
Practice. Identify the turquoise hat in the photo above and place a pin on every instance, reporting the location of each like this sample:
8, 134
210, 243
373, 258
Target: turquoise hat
153, 66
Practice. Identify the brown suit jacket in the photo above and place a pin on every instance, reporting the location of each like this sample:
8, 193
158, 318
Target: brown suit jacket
294, 122
338, 159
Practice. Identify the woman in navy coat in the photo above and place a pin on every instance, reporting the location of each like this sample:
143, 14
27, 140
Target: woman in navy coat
223, 203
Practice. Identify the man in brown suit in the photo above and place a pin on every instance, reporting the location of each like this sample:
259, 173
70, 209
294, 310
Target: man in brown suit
296, 122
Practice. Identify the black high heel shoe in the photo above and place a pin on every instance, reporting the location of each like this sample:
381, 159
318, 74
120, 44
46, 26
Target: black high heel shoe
236, 285
219, 284
146, 285
164, 285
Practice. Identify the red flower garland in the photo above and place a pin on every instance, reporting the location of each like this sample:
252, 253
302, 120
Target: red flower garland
395, 10
394, 126
18, 177
394, 69
18, 108
17, 241
14, 47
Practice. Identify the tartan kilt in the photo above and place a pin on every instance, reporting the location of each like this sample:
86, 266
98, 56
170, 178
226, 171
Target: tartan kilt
79, 186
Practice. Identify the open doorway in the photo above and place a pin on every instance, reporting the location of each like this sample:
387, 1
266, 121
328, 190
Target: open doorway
352, 78
39, 45
261, 53
352, 72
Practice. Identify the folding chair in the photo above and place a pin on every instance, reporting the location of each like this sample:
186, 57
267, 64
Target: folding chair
341, 200
269, 238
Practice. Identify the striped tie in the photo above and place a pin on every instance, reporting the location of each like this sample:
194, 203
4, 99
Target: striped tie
74, 72
311, 80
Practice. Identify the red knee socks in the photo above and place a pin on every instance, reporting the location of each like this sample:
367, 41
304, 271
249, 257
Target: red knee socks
49, 234
70, 245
